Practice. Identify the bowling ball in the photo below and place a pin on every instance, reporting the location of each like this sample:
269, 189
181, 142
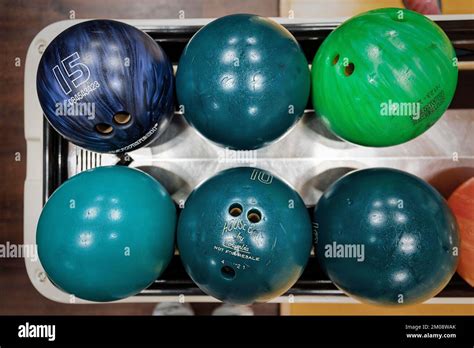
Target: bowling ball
384, 77
386, 237
243, 81
244, 236
462, 205
106, 86
106, 233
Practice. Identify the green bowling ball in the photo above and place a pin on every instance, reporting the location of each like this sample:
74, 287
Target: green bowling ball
384, 77
243, 81
244, 236
106, 233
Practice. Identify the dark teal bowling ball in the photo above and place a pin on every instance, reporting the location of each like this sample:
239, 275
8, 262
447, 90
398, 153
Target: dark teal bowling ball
386, 237
243, 81
244, 236
107, 233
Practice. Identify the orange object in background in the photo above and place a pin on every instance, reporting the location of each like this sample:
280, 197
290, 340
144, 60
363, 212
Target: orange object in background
348, 8
462, 205
425, 7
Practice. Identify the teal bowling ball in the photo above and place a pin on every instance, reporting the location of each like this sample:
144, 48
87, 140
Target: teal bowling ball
106, 233
386, 237
243, 81
244, 236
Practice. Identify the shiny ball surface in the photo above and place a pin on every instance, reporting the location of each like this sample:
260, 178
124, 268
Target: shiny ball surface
462, 205
243, 81
386, 237
106, 233
244, 236
384, 77
106, 86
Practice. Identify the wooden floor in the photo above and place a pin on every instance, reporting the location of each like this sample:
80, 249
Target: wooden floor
19, 23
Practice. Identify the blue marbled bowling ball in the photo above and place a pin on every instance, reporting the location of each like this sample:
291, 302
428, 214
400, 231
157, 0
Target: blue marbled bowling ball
386, 237
244, 236
106, 86
243, 81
